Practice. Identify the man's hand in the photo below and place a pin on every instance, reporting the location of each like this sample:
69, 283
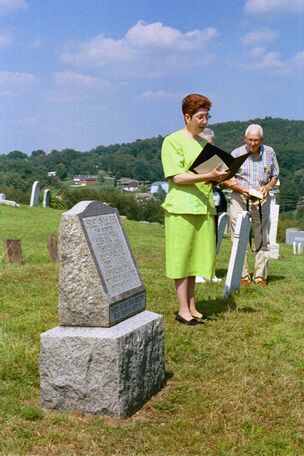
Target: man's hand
265, 190
245, 192
233, 185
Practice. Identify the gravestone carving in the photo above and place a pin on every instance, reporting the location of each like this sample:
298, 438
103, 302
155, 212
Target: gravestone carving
107, 355
237, 256
100, 284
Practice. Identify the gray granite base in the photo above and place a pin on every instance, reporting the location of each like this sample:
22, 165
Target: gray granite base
106, 371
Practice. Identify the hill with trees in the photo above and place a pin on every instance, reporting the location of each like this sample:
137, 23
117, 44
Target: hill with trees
141, 160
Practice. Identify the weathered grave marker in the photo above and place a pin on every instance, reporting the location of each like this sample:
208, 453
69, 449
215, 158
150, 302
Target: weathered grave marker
107, 357
274, 247
52, 246
100, 284
222, 224
237, 256
12, 251
290, 234
35, 194
46, 198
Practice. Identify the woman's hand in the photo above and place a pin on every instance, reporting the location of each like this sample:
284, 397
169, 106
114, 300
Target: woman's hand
216, 175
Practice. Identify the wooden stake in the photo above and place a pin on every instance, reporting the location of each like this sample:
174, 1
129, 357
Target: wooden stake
53, 247
12, 251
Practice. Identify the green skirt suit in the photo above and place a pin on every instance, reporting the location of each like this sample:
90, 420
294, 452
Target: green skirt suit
189, 212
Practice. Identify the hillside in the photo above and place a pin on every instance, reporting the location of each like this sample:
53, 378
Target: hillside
141, 160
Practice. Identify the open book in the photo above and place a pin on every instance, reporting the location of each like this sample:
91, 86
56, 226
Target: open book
212, 156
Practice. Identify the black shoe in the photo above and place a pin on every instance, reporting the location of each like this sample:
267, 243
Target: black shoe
202, 319
191, 322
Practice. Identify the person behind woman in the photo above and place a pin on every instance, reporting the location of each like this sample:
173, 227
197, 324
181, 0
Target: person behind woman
219, 199
189, 208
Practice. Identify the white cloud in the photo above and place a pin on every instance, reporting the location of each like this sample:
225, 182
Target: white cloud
6, 6
72, 79
273, 6
146, 49
158, 95
298, 59
6, 39
12, 82
23, 122
259, 37
273, 62
36, 43
157, 35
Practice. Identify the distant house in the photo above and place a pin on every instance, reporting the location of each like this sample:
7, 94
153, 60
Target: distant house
85, 180
130, 185
155, 186
51, 173
140, 197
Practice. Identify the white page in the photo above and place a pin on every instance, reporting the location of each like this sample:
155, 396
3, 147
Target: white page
210, 164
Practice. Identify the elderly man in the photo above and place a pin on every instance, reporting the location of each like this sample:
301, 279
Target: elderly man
259, 172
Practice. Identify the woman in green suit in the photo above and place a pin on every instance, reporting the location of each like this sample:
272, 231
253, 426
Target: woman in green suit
189, 208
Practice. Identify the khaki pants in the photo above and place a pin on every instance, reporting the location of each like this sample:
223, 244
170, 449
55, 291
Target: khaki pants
260, 231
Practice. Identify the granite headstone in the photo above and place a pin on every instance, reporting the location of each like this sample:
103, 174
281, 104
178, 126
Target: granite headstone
107, 357
99, 284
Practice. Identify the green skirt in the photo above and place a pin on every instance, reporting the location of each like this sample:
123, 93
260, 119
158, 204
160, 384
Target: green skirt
190, 245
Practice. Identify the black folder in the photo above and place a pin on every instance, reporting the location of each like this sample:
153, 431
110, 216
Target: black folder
212, 156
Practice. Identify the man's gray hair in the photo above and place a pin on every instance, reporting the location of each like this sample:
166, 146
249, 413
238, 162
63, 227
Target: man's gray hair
254, 128
208, 135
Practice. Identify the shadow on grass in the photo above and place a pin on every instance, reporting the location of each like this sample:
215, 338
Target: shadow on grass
221, 273
247, 310
216, 306
275, 278
168, 376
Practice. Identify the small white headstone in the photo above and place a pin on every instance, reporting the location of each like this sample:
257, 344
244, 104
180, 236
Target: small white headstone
9, 203
222, 224
274, 251
35, 194
46, 198
2, 196
237, 256
290, 234
274, 218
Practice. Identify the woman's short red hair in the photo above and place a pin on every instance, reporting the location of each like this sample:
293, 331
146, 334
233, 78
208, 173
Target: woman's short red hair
193, 102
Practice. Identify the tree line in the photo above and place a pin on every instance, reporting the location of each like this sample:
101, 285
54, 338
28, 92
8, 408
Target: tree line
141, 160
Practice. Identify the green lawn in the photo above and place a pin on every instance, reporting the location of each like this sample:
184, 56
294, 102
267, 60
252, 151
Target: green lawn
234, 385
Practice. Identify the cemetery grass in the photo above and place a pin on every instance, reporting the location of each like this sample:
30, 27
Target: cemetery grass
234, 386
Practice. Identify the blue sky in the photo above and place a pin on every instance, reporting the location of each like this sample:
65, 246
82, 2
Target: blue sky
80, 73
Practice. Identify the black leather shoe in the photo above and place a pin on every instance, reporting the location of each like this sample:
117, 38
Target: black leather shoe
191, 322
203, 318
